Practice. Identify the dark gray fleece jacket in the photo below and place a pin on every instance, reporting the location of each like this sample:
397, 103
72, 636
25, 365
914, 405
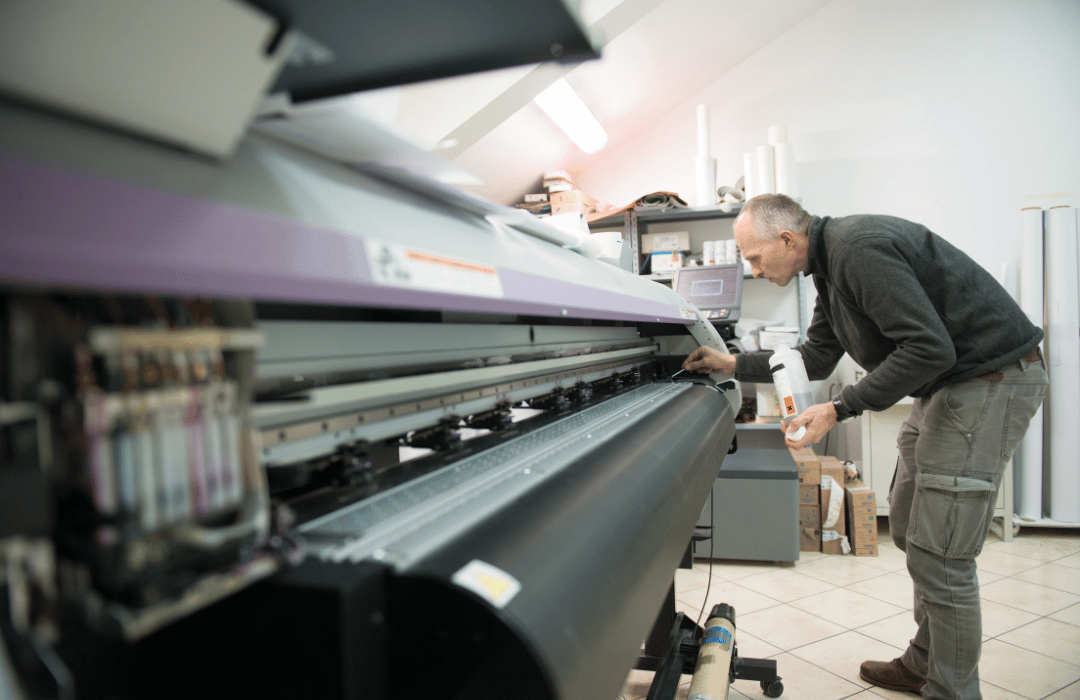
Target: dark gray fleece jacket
907, 305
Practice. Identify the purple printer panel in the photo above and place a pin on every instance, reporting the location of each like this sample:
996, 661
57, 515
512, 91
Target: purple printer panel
60, 229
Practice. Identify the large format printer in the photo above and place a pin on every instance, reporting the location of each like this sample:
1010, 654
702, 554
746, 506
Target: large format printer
272, 423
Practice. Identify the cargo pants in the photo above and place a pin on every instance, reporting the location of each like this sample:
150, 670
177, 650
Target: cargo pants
953, 449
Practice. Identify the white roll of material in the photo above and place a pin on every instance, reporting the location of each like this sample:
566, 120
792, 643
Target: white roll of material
766, 170
705, 169
784, 159
777, 134
1063, 361
704, 144
749, 161
708, 253
1028, 476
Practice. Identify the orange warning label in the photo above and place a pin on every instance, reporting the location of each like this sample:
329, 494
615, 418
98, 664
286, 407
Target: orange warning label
789, 406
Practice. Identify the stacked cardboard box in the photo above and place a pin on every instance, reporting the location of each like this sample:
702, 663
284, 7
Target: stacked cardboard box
862, 518
809, 499
833, 530
571, 201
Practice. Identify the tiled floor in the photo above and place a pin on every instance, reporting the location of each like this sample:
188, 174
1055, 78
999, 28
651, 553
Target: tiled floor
826, 614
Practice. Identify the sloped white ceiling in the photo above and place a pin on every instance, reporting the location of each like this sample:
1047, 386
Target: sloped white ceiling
657, 54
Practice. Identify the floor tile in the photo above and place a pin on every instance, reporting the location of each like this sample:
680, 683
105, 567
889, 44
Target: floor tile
1027, 596
1070, 614
841, 571
1004, 563
997, 619
803, 681
844, 653
753, 648
989, 692
739, 597
1072, 561
1036, 548
787, 628
889, 558
895, 589
895, 631
1024, 672
846, 608
689, 579
1058, 640
1070, 693
786, 585
734, 570
1063, 578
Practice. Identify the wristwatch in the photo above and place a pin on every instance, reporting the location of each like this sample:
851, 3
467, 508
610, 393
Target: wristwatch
843, 413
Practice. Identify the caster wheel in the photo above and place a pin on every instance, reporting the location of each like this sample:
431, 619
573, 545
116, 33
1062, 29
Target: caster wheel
772, 690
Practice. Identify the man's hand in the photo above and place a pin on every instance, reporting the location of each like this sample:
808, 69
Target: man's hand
705, 360
818, 420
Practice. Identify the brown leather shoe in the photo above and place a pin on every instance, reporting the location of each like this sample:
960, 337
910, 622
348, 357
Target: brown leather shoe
892, 675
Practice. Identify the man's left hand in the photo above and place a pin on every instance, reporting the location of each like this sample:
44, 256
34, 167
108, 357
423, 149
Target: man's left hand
819, 419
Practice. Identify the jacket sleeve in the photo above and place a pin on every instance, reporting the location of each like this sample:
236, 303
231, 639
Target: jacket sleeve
822, 351
882, 283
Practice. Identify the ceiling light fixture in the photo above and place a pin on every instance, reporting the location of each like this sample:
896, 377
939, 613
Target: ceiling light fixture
567, 110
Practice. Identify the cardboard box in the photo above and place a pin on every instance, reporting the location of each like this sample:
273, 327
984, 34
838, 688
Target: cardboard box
862, 518
571, 201
660, 242
833, 528
539, 197
810, 528
768, 401
809, 466
809, 496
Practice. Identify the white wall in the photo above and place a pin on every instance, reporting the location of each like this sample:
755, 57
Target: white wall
954, 114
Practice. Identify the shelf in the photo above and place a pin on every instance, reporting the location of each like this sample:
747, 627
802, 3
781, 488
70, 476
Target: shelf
759, 424
671, 214
659, 276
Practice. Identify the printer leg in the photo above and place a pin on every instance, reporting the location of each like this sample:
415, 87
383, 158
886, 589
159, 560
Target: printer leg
657, 640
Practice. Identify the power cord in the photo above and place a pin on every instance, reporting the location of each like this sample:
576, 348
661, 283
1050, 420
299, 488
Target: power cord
708, 584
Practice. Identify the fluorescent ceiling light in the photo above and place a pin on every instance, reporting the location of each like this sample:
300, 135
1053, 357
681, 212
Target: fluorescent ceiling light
567, 110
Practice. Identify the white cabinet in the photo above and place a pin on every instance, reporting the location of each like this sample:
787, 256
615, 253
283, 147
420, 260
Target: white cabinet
879, 432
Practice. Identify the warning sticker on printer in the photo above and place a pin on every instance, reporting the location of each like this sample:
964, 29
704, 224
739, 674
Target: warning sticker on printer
489, 582
401, 266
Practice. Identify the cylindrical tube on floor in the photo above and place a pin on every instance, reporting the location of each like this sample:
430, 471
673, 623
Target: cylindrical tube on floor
712, 673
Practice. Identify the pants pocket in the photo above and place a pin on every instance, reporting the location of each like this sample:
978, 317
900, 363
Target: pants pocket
950, 515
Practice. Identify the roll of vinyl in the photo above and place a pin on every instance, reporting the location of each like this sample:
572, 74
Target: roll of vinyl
1028, 471
705, 168
1063, 358
784, 158
777, 134
750, 177
703, 143
766, 169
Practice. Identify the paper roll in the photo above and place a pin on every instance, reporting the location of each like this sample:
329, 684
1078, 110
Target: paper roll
705, 168
703, 143
766, 171
1028, 471
777, 134
1063, 358
708, 253
750, 178
784, 159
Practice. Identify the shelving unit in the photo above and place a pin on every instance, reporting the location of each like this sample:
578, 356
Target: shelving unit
635, 223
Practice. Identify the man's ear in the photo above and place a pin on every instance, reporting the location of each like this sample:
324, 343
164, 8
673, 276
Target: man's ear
787, 237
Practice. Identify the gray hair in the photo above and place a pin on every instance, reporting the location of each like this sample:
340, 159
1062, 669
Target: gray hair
772, 213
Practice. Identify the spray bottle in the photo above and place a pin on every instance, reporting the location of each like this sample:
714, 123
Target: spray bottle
792, 385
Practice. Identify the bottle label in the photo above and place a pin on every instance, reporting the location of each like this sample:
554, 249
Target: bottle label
783, 390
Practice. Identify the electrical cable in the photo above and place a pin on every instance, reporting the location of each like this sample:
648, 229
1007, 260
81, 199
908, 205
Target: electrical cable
708, 584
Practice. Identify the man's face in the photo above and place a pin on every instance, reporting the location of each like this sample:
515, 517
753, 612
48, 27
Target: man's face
775, 261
